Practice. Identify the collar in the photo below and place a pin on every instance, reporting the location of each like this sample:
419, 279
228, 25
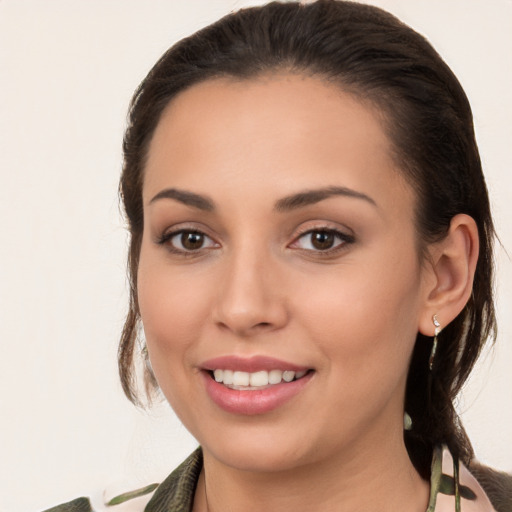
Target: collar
176, 493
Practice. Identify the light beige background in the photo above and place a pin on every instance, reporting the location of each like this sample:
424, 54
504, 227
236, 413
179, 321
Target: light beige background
67, 71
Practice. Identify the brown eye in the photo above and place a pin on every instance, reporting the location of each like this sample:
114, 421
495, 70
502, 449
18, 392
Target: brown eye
322, 240
191, 241
184, 241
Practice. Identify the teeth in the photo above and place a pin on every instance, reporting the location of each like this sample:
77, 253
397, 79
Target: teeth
246, 380
227, 377
240, 379
288, 375
258, 379
275, 376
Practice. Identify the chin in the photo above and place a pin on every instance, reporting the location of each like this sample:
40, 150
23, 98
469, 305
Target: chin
255, 458
262, 449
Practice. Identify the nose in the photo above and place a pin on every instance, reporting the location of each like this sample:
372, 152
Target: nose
251, 297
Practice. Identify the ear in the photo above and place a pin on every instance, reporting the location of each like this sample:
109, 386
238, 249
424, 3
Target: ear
449, 280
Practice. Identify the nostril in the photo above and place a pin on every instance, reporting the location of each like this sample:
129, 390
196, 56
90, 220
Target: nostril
246, 315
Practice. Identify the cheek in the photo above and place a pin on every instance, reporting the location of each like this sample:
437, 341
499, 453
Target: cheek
172, 310
366, 317
169, 312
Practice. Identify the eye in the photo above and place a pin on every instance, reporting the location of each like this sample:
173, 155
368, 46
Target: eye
322, 240
187, 240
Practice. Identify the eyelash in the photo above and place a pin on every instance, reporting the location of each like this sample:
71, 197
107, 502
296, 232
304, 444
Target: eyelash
166, 239
343, 239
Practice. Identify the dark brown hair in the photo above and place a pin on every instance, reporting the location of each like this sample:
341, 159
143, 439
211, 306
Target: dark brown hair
371, 54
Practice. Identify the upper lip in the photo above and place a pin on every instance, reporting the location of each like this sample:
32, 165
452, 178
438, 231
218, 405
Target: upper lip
250, 364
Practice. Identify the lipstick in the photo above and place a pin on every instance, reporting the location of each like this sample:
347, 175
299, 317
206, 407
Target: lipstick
256, 385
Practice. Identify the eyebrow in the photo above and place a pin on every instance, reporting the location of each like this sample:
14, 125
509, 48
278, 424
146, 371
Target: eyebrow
286, 204
187, 198
309, 197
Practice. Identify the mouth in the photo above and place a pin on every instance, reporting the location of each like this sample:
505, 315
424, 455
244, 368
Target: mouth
254, 381
255, 385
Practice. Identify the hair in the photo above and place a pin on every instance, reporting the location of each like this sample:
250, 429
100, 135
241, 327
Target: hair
372, 55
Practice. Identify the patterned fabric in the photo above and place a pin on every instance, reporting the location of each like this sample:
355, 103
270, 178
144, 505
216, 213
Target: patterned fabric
453, 488
176, 494
78, 505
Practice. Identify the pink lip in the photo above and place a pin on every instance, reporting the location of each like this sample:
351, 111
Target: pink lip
251, 364
248, 402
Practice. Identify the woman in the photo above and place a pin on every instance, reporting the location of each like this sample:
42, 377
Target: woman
311, 262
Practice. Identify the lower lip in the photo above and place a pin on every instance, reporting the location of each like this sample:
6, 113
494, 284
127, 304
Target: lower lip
253, 402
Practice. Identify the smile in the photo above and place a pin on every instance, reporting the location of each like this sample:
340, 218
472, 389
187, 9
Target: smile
254, 385
248, 381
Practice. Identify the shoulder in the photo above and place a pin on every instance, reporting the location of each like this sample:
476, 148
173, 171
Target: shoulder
476, 487
496, 484
132, 501
175, 493
78, 505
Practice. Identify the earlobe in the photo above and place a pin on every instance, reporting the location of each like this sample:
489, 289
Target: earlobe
453, 264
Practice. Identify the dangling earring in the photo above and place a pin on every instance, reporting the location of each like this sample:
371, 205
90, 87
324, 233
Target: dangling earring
437, 330
407, 421
145, 356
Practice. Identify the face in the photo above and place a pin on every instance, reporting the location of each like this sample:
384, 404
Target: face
279, 281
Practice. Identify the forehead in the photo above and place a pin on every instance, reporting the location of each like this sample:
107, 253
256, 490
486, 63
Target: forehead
279, 129
288, 104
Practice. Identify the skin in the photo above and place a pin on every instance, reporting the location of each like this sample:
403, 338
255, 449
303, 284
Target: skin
258, 286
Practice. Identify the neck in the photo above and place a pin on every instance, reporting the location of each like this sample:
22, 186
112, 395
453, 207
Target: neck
381, 479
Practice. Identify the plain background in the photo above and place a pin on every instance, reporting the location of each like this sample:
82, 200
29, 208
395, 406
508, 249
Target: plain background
67, 71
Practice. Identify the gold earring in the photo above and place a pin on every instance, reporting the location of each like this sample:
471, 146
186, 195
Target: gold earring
437, 330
